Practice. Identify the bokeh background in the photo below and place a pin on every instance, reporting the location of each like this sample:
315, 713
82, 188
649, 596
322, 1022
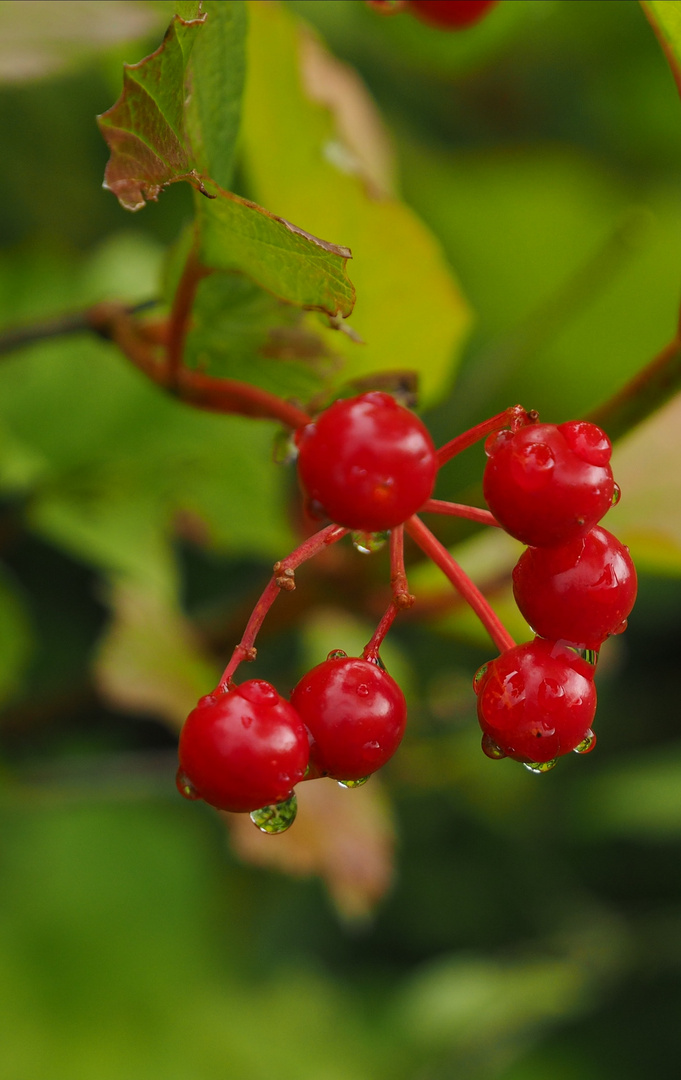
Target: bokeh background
458, 917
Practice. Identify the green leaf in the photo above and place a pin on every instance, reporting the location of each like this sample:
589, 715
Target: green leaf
145, 129
239, 331
293, 265
665, 19
313, 150
177, 119
213, 111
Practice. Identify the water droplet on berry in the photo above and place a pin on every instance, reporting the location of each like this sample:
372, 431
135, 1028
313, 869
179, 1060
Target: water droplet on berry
532, 466
479, 676
540, 767
590, 655
337, 654
621, 628
490, 748
284, 448
185, 786
367, 543
353, 783
276, 818
616, 494
363, 690
496, 441
587, 441
258, 692
587, 743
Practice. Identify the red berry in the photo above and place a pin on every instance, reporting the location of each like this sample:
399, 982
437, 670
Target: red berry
535, 702
242, 749
450, 14
546, 484
355, 713
581, 591
367, 462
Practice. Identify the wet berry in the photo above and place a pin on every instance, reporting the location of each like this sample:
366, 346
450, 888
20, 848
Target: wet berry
548, 484
535, 702
355, 713
450, 14
366, 463
242, 749
581, 591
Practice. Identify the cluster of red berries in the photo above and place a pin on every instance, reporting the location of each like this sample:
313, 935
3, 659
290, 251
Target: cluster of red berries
244, 748
368, 465
575, 585
443, 14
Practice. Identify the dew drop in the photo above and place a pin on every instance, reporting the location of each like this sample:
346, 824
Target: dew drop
367, 543
479, 676
284, 449
276, 818
363, 690
490, 748
616, 494
353, 783
258, 692
621, 628
185, 786
540, 767
587, 743
496, 441
337, 654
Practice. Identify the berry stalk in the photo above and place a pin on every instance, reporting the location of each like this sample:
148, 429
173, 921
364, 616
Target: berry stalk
401, 597
471, 513
514, 417
282, 578
436, 551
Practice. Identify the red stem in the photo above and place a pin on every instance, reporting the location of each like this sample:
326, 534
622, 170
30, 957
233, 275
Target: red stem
513, 417
471, 513
178, 323
232, 396
436, 551
401, 597
282, 579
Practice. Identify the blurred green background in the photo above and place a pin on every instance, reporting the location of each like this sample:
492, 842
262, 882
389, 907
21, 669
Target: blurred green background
458, 917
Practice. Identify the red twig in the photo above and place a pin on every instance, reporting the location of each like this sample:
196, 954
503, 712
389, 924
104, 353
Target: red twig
471, 513
401, 597
283, 578
436, 551
513, 418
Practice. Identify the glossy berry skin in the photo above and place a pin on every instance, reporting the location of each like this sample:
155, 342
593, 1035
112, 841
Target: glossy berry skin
355, 714
547, 484
536, 701
450, 14
244, 749
581, 591
366, 462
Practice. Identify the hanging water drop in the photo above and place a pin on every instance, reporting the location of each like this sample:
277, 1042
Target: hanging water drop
587, 743
540, 767
616, 494
479, 676
185, 786
353, 783
367, 543
284, 449
490, 748
276, 818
